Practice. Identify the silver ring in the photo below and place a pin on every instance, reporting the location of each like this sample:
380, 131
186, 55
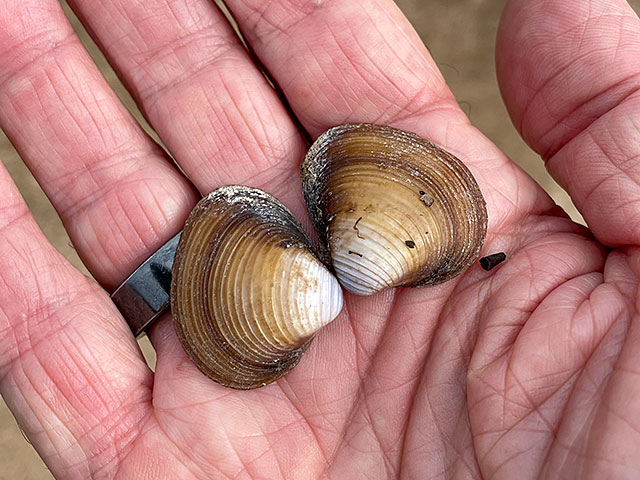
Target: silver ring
145, 294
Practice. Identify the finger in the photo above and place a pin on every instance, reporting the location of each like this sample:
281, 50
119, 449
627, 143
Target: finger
569, 73
117, 194
342, 61
195, 82
69, 368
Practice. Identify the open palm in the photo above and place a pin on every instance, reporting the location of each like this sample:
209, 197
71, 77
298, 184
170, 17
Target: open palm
528, 370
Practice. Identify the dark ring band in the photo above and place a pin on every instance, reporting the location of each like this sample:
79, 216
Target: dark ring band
145, 294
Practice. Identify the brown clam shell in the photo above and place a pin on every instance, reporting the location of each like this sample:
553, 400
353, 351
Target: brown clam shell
248, 293
393, 208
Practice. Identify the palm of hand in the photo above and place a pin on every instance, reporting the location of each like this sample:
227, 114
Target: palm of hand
479, 391
523, 369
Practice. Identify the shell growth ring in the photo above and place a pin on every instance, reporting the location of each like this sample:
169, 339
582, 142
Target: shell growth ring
247, 289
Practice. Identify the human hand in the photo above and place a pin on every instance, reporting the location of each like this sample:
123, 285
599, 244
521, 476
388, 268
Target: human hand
526, 370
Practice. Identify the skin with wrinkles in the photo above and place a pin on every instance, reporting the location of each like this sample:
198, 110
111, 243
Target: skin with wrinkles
525, 371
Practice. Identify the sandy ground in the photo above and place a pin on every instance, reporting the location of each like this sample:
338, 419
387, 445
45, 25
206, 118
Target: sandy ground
460, 35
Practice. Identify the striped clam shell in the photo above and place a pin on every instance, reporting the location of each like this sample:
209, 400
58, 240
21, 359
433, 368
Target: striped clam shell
392, 208
248, 294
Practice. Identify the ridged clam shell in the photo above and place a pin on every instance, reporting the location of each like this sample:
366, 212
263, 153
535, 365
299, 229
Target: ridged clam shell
248, 293
393, 208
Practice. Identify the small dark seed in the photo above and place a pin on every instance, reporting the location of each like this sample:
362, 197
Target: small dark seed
491, 261
421, 192
410, 244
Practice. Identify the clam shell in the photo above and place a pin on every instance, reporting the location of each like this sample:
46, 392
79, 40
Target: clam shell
248, 294
393, 208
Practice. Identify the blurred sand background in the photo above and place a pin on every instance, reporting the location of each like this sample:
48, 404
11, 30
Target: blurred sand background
460, 35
